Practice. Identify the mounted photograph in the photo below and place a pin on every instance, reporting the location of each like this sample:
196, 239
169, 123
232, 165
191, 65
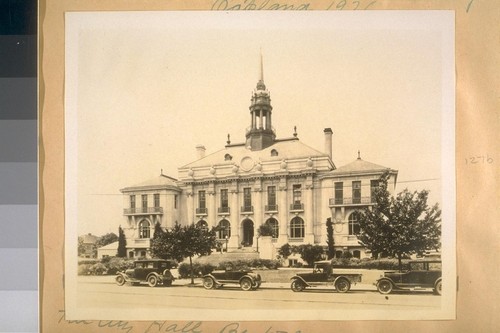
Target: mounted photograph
260, 166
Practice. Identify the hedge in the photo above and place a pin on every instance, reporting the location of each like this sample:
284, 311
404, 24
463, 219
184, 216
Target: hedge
202, 269
380, 264
109, 266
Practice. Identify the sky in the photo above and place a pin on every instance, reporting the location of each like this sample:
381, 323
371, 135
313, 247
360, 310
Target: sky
143, 89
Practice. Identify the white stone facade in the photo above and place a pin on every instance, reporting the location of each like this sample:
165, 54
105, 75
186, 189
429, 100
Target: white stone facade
283, 182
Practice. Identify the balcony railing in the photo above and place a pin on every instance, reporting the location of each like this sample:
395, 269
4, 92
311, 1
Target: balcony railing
246, 209
350, 201
271, 208
201, 211
297, 207
224, 210
143, 210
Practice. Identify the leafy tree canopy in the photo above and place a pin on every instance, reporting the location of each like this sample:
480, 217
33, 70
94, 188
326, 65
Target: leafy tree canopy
106, 239
184, 242
400, 226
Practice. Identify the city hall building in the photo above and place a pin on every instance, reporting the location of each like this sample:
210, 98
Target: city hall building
263, 179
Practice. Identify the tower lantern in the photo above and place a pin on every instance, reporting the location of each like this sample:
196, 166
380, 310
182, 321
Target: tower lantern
260, 134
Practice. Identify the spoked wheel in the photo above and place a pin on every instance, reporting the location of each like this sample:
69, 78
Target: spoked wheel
246, 284
342, 285
120, 280
297, 285
208, 283
152, 281
438, 287
384, 286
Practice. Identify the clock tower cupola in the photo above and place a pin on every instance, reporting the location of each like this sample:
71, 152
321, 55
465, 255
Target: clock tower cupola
261, 134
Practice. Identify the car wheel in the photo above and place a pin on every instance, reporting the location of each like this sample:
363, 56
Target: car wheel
246, 284
438, 287
208, 283
342, 285
120, 280
297, 285
384, 286
152, 281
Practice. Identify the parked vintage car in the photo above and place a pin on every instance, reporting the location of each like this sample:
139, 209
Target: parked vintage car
323, 275
154, 272
246, 278
421, 274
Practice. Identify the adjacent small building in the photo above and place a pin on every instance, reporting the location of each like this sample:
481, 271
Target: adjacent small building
282, 182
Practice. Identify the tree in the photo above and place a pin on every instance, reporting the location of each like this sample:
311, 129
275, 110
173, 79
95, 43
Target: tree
310, 253
266, 230
285, 250
184, 242
81, 246
400, 226
158, 230
106, 239
122, 244
329, 238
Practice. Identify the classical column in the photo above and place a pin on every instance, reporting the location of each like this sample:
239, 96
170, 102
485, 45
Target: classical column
190, 205
308, 214
235, 217
258, 215
212, 208
283, 211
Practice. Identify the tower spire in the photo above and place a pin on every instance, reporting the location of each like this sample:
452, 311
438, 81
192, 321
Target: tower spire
261, 67
260, 84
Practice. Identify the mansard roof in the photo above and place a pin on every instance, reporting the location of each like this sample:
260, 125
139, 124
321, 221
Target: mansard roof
157, 183
283, 149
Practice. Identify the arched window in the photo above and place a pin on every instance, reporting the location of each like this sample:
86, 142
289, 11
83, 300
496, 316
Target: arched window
228, 157
338, 254
202, 224
273, 223
274, 152
297, 227
354, 223
144, 229
224, 229
356, 254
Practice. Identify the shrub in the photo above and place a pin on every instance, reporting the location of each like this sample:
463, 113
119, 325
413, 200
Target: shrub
116, 264
198, 270
84, 269
98, 269
380, 264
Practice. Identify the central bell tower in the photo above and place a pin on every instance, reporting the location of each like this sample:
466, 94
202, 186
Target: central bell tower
260, 134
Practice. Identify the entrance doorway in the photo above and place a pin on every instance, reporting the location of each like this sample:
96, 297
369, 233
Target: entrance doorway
247, 232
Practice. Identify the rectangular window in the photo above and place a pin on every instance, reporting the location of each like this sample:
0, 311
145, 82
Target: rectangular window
297, 194
356, 192
271, 195
202, 200
339, 193
144, 200
132, 201
157, 200
224, 201
247, 198
175, 201
373, 187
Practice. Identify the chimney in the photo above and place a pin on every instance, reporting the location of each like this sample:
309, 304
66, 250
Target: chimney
328, 141
200, 151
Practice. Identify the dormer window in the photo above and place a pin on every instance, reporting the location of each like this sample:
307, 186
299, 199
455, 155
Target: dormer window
228, 157
274, 152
